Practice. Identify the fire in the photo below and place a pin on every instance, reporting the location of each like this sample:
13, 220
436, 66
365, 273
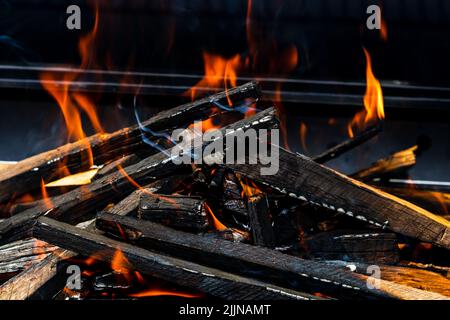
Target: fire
220, 72
384, 30
45, 198
72, 104
156, 292
119, 263
303, 131
373, 101
142, 189
217, 224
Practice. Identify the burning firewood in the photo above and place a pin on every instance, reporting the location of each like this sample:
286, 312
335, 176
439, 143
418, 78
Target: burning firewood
73, 205
301, 178
364, 246
347, 145
191, 275
397, 162
179, 212
26, 175
238, 257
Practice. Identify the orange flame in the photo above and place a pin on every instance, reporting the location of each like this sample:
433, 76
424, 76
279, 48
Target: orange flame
45, 198
120, 264
384, 30
217, 224
373, 101
71, 104
142, 189
156, 292
219, 73
303, 131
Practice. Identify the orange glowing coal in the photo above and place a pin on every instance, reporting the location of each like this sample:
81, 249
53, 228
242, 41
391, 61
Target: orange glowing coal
373, 102
217, 224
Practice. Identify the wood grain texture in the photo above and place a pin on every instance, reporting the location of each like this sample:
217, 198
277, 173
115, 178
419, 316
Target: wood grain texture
26, 175
248, 260
210, 281
301, 178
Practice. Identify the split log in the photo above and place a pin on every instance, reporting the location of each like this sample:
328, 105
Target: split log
260, 223
179, 212
398, 162
434, 201
21, 254
190, 275
301, 178
363, 246
241, 258
415, 283
347, 145
26, 175
25, 284
73, 205
130, 205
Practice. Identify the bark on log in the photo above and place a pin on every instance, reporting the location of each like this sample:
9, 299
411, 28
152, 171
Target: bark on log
26, 175
207, 280
301, 178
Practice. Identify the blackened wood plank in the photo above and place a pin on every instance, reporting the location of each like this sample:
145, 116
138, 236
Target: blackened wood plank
179, 212
73, 205
347, 145
359, 246
301, 178
207, 280
241, 258
26, 175
260, 222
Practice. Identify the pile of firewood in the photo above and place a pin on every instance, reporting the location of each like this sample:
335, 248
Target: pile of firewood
224, 231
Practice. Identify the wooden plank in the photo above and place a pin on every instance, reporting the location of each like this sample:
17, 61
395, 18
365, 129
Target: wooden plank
23, 285
190, 275
398, 162
301, 178
26, 175
73, 205
240, 258
179, 212
260, 223
130, 204
353, 245
347, 145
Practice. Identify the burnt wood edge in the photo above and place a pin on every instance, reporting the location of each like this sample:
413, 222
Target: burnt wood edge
248, 260
301, 178
210, 281
73, 205
348, 145
26, 175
